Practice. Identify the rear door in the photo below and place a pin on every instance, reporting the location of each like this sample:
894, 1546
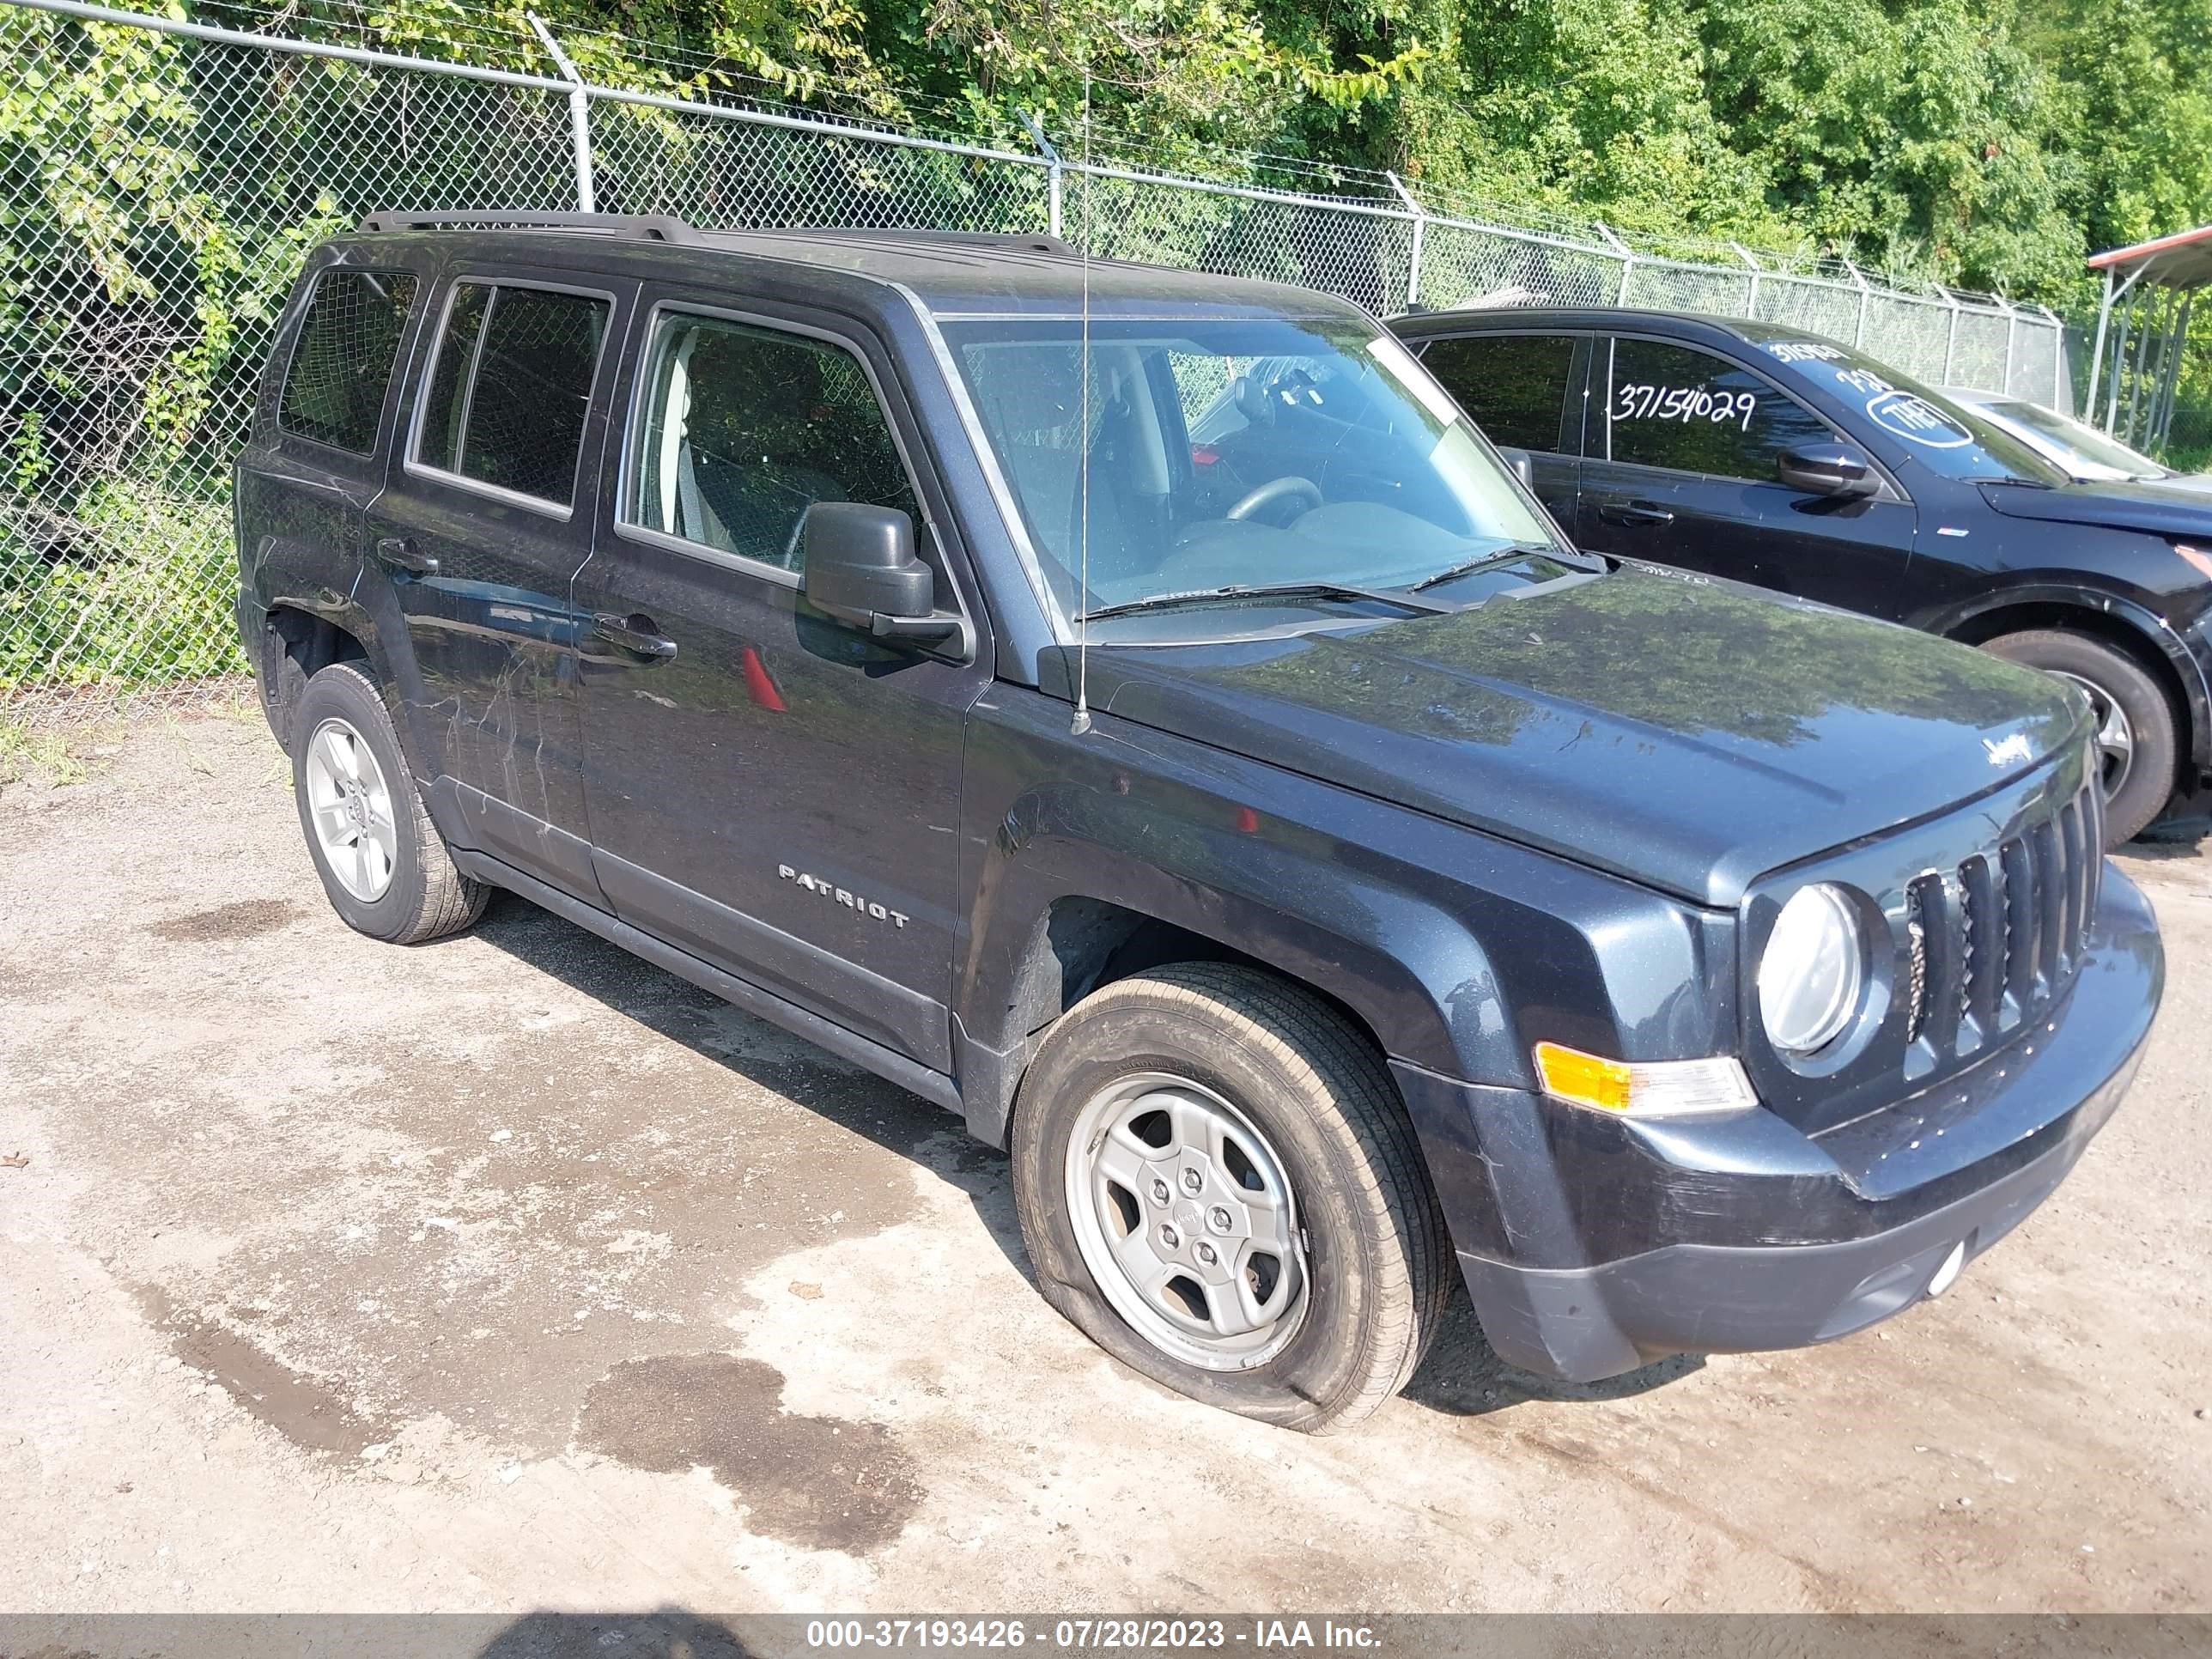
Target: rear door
1525, 392
479, 535
1683, 447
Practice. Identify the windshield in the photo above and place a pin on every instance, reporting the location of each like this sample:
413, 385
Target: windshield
1236, 452
2081, 449
1952, 441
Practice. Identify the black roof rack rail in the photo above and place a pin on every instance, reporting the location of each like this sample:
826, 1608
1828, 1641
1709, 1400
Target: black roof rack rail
666, 228
1023, 242
648, 227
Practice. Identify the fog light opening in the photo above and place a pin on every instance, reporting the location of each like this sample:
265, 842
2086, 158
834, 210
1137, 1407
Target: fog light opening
1949, 1270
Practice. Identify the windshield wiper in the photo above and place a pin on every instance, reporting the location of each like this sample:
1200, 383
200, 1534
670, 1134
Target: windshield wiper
2007, 478
1482, 561
1397, 596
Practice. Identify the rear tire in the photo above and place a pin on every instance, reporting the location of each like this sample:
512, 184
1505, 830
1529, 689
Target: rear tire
2136, 744
1260, 1089
382, 864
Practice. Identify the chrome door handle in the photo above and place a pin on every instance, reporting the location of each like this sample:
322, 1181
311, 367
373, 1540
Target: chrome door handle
637, 634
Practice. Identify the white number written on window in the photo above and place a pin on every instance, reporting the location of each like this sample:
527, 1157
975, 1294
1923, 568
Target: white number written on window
1685, 404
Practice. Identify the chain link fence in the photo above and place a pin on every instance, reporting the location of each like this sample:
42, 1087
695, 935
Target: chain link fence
164, 180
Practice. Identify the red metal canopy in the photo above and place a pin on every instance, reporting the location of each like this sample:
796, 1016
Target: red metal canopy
2181, 260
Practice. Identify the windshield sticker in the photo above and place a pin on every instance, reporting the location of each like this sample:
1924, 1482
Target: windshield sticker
1918, 421
1804, 351
1899, 413
1685, 404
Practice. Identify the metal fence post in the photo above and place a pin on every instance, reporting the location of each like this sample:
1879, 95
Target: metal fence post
2177, 343
2097, 351
1421, 223
1951, 338
580, 115
1866, 293
1751, 310
1051, 170
2059, 387
2012, 334
1621, 251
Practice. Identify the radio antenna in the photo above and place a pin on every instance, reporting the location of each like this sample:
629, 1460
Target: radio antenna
1082, 721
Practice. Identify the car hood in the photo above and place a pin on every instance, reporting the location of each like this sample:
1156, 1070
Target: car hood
1688, 734
2163, 508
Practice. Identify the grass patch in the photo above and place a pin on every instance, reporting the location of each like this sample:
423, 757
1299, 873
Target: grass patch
27, 756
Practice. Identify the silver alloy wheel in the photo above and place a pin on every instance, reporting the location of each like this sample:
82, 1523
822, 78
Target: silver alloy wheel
2116, 737
1186, 1220
351, 806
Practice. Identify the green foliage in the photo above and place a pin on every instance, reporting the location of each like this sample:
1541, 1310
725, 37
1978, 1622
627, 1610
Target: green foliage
151, 606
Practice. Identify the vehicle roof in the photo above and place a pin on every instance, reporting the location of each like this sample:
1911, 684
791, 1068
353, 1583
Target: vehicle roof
952, 275
1691, 324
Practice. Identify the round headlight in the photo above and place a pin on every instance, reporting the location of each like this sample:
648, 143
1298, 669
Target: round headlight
1810, 978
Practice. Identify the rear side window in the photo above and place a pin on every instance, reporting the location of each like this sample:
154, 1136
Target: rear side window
1676, 406
341, 362
512, 385
744, 429
1514, 385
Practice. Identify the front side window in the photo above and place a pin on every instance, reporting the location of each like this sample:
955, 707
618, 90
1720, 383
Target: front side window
745, 427
1221, 452
1678, 407
512, 385
1514, 385
341, 363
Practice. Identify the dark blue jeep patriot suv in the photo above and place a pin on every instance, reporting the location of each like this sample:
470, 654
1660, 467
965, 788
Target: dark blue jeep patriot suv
1136, 711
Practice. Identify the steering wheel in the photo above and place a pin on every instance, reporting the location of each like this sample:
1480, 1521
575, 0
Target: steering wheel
1289, 487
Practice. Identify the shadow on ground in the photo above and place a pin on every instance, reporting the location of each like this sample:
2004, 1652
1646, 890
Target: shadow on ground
1461, 1375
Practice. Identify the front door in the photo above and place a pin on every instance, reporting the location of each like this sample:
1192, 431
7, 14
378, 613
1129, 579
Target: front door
771, 789
1682, 470
479, 534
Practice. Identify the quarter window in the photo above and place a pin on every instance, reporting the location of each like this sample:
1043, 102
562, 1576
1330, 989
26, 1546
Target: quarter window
512, 385
745, 427
341, 363
1514, 385
1675, 406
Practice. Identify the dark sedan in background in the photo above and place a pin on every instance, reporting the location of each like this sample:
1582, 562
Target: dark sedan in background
2076, 448
1774, 457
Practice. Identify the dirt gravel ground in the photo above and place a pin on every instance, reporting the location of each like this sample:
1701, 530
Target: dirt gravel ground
509, 1272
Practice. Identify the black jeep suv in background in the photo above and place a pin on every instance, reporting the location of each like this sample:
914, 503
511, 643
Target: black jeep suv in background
1767, 454
1137, 712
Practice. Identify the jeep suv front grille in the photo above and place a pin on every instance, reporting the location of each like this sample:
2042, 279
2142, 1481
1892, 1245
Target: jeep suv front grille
1990, 941
1986, 913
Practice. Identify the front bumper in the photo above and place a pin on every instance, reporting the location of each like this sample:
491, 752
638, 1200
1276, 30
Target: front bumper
1592, 1245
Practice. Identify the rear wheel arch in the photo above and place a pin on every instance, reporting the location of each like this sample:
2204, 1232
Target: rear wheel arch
297, 644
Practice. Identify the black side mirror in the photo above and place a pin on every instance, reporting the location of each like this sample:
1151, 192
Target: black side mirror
1517, 462
1835, 470
860, 568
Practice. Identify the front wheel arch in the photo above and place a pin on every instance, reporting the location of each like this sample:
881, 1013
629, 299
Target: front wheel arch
2112, 624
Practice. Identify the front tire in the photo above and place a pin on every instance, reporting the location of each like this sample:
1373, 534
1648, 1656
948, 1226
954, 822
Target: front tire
2135, 728
382, 864
1217, 1183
